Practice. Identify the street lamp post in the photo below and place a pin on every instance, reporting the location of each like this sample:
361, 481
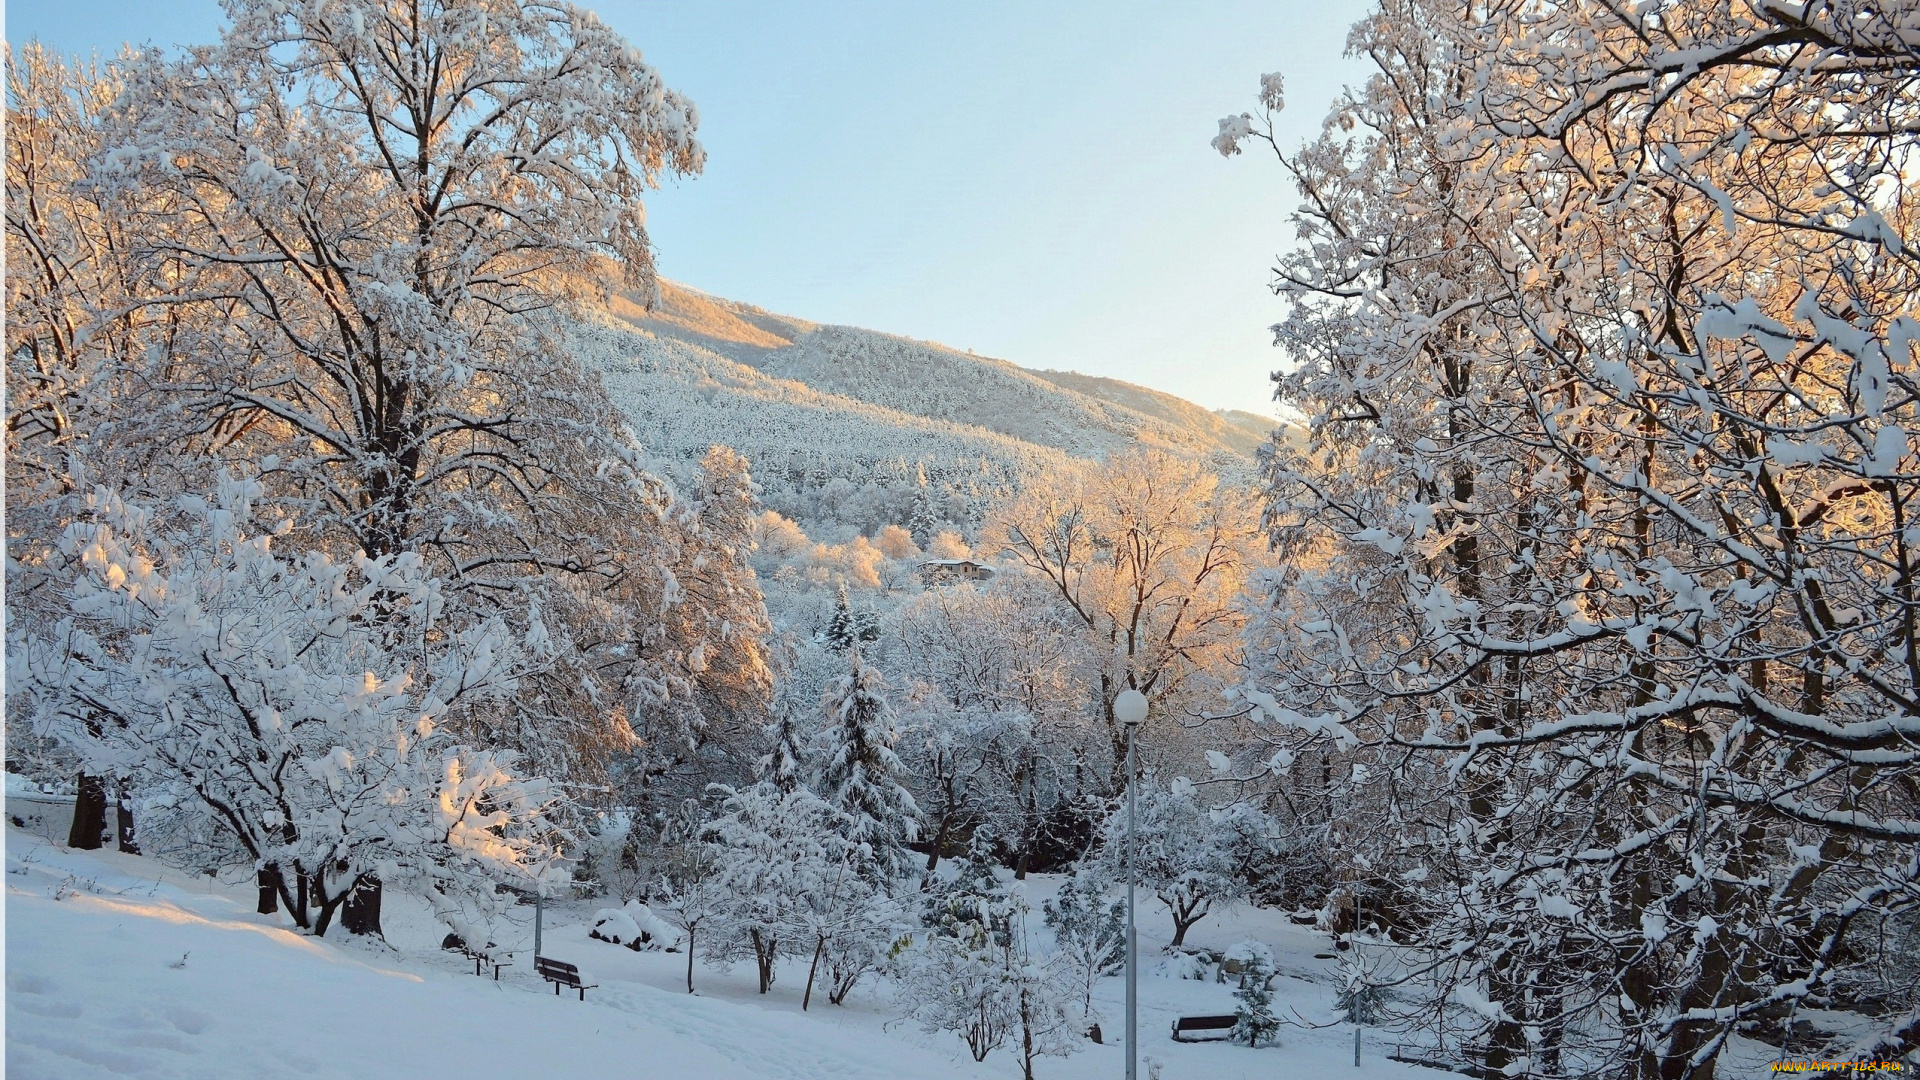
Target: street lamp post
1130, 708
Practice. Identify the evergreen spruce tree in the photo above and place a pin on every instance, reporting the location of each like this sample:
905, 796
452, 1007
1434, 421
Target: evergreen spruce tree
843, 631
1254, 1019
785, 767
863, 777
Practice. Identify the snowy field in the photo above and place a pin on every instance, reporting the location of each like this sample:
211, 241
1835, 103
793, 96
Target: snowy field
95, 989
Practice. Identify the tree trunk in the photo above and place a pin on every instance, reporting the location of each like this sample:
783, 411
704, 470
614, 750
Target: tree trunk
1026, 1037
317, 889
360, 911
271, 883
1185, 915
123, 820
89, 813
763, 950
819, 947
939, 840
690, 959
297, 902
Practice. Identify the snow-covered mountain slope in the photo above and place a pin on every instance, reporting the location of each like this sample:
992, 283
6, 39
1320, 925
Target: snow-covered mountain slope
1235, 430
1082, 416
911, 428
1078, 414
817, 456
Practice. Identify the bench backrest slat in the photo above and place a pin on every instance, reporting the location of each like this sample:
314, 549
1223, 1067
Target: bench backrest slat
1204, 1023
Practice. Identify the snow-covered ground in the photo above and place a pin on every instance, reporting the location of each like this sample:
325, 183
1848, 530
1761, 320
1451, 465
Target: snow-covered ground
96, 988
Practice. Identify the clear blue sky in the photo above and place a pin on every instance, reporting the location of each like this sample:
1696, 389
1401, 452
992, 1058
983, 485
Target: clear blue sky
1028, 180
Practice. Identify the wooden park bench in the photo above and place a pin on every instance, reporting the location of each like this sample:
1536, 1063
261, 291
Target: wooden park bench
454, 944
1202, 1023
1474, 1055
560, 973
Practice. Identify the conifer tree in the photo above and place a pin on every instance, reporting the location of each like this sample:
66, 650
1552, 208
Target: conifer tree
842, 632
1253, 1016
863, 777
786, 766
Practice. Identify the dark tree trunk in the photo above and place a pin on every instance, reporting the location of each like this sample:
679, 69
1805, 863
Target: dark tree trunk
939, 840
763, 954
123, 821
325, 906
297, 901
1184, 916
360, 911
271, 883
89, 813
690, 931
819, 947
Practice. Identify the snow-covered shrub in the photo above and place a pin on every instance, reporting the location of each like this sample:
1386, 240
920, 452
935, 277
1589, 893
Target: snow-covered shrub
1184, 963
635, 926
1360, 997
297, 706
615, 926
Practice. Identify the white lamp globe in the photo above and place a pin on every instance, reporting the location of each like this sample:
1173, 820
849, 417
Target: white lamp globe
1130, 707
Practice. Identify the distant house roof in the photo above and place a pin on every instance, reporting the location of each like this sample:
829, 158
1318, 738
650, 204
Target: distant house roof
967, 568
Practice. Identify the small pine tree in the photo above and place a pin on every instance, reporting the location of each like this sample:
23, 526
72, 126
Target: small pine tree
970, 895
1358, 998
1254, 1019
843, 631
1091, 932
785, 767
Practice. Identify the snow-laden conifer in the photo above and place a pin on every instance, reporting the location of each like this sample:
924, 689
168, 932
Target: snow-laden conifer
861, 775
1254, 1022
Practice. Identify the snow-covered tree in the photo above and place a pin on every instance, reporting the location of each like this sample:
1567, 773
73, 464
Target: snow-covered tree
1179, 852
1146, 553
709, 646
1254, 1021
772, 846
301, 706
692, 889
351, 227
862, 777
1603, 322
848, 627
73, 330
786, 766
1003, 720
1090, 931
972, 971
